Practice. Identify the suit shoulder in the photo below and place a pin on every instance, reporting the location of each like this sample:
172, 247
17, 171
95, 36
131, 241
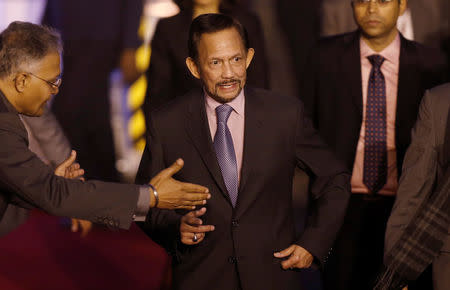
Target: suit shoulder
339, 40
273, 99
10, 121
428, 56
439, 96
177, 105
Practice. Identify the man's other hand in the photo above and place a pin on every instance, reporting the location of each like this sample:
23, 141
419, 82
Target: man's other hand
82, 225
191, 229
69, 168
173, 194
298, 257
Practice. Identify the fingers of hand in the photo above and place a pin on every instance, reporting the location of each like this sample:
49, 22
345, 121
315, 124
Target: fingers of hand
174, 168
188, 238
74, 227
193, 188
294, 261
71, 159
286, 252
86, 227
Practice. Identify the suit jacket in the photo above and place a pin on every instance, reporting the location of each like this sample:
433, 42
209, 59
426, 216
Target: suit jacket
25, 181
333, 92
278, 137
47, 138
168, 76
426, 160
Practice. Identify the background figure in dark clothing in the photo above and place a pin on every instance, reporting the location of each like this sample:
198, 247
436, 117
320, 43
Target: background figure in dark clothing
300, 21
104, 39
168, 76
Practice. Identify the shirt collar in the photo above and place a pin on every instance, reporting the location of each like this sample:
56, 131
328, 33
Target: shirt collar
237, 104
391, 53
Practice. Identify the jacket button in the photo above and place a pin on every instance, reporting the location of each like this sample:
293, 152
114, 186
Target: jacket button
232, 260
234, 223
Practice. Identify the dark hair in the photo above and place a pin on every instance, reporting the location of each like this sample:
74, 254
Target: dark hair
24, 42
224, 7
210, 23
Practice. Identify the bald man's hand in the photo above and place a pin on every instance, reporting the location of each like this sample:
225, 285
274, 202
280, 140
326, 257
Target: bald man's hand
173, 194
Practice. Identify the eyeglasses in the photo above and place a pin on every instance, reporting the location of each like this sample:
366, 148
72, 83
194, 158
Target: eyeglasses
365, 2
56, 84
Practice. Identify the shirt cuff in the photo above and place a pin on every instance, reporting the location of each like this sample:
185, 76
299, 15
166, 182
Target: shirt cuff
143, 204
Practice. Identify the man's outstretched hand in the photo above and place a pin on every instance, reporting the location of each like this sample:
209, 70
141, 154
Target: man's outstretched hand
173, 194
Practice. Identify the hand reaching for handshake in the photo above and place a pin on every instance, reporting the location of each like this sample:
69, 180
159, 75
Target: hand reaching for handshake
168, 193
165, 192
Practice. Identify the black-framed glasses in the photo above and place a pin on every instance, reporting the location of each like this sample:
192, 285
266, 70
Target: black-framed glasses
365, 2
56, 84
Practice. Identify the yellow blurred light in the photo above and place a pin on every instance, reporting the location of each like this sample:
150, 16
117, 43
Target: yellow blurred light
136, 93
136, 125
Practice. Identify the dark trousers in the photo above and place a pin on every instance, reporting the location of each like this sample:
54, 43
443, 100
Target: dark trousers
357, 255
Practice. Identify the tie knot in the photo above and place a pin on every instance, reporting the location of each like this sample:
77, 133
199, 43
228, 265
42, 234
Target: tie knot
223, 113
376, 60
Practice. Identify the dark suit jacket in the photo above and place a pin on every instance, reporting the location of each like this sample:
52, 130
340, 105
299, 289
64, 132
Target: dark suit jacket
426, 160
168, 75
25, 181
278, 137
333, 92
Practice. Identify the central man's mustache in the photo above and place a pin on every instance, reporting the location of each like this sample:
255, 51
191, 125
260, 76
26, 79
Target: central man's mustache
228, 82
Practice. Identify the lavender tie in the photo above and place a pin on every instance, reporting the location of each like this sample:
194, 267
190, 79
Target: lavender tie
223, 144
375, 152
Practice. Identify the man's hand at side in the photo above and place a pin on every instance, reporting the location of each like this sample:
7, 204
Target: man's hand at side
173, 194
298, 257
191, 229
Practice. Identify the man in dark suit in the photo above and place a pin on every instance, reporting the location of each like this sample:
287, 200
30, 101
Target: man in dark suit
30, 74
425, 168
245, 239
363, 95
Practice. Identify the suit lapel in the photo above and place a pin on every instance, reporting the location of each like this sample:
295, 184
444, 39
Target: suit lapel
197, 128
351, 66
408, 84
253, 138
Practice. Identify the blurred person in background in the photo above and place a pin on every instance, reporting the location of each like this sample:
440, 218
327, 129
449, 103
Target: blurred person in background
99, 36
424, 21
168, 75
363, 93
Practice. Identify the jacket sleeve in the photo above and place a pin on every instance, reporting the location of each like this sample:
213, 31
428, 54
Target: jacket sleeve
28, 182
418, 175
329, 189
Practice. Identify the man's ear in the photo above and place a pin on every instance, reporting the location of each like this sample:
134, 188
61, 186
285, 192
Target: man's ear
250, 54
192, 66
21, 81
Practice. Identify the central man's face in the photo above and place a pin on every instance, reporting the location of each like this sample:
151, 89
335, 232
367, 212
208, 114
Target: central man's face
222, 64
